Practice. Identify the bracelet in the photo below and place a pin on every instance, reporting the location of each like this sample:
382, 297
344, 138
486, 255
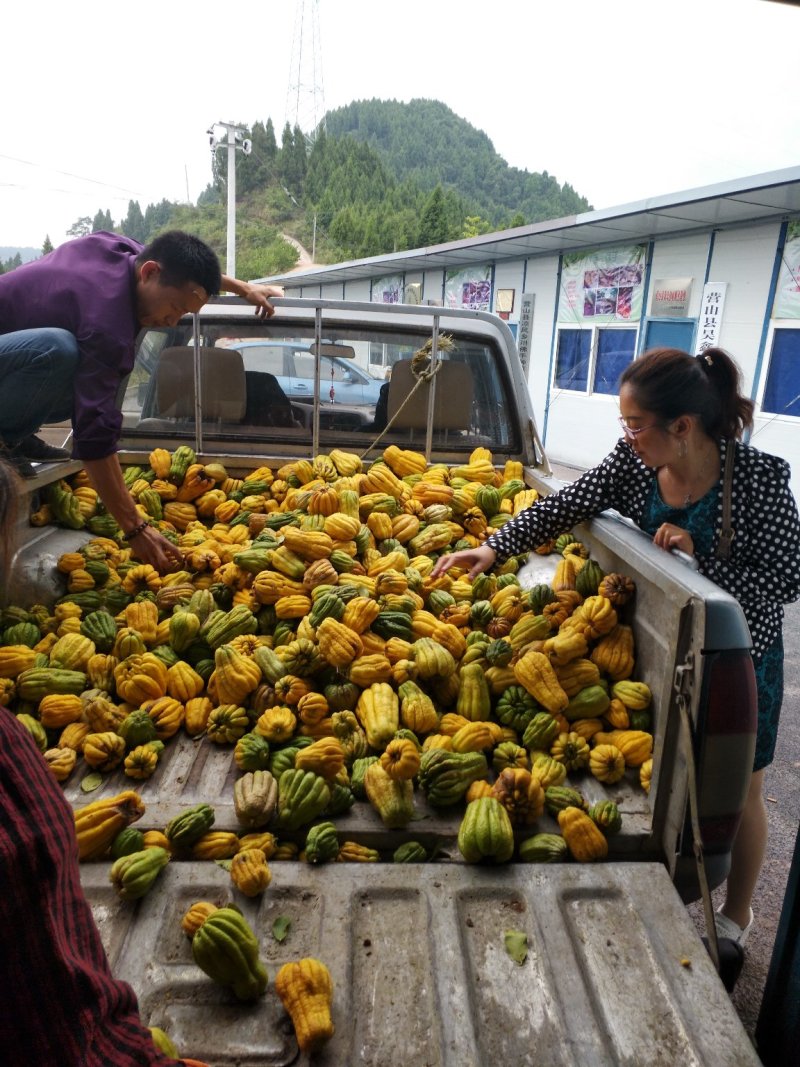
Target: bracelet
131, 534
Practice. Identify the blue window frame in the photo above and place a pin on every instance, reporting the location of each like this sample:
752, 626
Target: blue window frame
782, 389
572, 359
575, 370
615, 350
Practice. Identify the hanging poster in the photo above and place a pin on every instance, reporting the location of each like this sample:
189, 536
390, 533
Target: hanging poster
470, 288
787, 295
388, 290
604, 285
709, 323
525, 329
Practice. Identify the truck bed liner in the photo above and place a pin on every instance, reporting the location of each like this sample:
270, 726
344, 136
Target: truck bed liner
615, 972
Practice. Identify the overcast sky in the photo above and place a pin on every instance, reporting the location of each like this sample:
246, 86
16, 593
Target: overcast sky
106, 103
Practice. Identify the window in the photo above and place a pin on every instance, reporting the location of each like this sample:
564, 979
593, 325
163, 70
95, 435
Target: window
304, 365
577, 370
572, 360
615, 350
782, 390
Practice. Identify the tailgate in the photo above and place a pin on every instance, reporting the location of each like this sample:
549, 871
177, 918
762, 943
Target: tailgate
615, 971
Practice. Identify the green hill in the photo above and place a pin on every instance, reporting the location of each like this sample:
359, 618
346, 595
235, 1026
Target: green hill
428, 143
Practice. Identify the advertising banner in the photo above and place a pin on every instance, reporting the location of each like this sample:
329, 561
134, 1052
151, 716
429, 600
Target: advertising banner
601, 286
388, 290
471, 288
787, 296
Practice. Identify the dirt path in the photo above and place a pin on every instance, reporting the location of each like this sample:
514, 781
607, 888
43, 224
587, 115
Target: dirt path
304, 257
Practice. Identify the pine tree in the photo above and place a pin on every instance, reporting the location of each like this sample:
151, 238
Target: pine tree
270, 143
433, 227
133, 225
47, 246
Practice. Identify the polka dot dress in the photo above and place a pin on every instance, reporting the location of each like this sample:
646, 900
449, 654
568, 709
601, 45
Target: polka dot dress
763, 569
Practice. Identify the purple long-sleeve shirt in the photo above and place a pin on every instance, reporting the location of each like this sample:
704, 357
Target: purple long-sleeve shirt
86, 286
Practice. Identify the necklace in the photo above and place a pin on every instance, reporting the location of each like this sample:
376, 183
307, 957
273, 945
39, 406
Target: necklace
699, 478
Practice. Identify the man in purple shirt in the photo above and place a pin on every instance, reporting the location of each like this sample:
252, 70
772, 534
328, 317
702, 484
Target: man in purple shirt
68, 324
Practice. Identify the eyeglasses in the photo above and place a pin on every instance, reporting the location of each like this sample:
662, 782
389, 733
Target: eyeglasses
629, 431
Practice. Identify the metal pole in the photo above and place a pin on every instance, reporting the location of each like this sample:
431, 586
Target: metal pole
230, 262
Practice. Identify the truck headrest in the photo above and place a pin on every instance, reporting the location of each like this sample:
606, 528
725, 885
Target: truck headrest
222, 383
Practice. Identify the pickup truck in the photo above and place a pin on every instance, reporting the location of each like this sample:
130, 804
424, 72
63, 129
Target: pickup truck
615, 971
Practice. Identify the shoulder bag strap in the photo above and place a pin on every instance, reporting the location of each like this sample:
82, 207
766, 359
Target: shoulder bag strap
728, 533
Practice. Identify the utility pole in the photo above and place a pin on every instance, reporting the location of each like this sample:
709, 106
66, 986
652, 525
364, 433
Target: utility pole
235, 142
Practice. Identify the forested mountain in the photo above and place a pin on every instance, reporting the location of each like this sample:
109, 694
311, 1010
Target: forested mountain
382, 177
428, 143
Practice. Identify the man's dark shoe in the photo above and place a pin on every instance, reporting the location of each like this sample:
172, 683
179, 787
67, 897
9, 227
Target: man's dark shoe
19, 463
35, 449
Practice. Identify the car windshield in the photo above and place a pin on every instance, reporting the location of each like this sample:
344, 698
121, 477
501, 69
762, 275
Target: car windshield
258, 384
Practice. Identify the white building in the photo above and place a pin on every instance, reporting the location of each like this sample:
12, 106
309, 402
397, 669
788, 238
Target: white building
584, 295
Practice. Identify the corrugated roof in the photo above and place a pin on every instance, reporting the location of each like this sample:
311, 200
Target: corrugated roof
739, 202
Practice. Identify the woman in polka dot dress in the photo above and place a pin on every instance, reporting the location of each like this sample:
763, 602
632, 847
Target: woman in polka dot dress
680, 414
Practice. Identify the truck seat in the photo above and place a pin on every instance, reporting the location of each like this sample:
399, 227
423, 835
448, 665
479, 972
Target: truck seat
452, 407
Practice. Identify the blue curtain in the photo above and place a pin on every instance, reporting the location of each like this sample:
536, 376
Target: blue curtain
572, 360
782, 392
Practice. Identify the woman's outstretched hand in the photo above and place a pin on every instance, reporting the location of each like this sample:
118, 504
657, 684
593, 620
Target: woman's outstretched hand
473, 560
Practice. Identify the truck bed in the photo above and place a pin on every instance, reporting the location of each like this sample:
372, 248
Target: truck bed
615, 972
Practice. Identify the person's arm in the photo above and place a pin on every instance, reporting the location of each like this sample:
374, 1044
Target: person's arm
612, 484
254, 294
61, 1003
148, 545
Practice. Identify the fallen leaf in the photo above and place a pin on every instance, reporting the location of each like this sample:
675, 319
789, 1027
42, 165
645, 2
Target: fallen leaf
280, 928
516, 943
224, 864
91, 782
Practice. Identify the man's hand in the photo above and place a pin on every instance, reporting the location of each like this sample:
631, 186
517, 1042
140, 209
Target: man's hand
253, 294
152, 547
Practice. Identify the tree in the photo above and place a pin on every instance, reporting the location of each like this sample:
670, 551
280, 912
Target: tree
474, 225
157, 217
102, 221
47, 246
133, 224
270, 145
292, 159
80, 227
433, 229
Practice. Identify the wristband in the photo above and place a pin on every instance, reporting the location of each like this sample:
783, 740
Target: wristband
131, 534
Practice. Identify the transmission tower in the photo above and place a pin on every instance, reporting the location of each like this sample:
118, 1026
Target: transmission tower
305, 97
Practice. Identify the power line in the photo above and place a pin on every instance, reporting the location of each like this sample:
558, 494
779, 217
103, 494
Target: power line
68, 174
